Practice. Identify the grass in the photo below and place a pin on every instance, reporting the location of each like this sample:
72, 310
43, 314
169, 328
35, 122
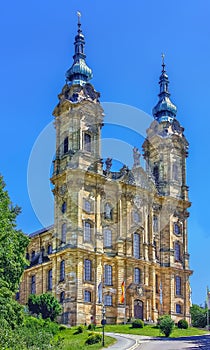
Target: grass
152, 331
73, 341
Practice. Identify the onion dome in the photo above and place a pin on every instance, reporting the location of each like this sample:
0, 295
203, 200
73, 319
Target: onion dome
165, 110
79, 73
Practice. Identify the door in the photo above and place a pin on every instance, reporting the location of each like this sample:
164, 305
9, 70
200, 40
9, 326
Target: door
138, 309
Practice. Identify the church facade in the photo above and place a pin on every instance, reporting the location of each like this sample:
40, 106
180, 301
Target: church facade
119, 239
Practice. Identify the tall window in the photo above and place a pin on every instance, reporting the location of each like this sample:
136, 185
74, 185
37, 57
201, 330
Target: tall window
33, 284
49, 249
108, 275
63, 233
156, 173
108, 300
136, 217
175, 172
65, 145
62, 270
62, 297
107, 211
87, 296
178, 285
87, 142
157, 284
177, 253
50, 279
87, 231
178, 309
88, 270
107, 238
176, 228
155, 223
137, 275
63, 207
87, 206
136, 245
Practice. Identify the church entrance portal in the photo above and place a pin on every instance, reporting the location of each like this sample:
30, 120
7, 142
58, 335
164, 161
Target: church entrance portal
138, 309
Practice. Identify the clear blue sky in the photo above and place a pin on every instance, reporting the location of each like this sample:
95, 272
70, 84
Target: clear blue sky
124, 42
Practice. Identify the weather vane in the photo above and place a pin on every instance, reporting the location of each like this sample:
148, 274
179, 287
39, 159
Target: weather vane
78, 16
163, 57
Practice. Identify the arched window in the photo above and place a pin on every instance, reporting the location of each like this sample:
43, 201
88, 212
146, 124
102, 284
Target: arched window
136, 245
33, 284
87, 206
65, 145
108, 275
177, 230
63, 207
155, 223
177, 251
62, 270
49, 249
87, 231
178, 287
87, 142
108, 211
49, 279
88, 270
156, 173
137, 275
136, 217
107, 238
175, 172
63, 233
62, 297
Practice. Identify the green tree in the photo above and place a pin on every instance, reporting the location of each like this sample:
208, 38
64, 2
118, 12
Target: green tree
166, 325
198, 316
45, 304
12, 243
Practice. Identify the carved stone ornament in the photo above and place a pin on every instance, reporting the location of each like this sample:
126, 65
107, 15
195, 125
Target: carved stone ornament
62, 189
139, 291
137, 201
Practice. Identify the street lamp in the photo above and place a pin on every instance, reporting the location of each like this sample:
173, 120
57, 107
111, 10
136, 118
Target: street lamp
103, 322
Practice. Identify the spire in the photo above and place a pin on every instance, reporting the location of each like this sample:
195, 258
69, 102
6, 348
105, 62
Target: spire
165, 110
79, 73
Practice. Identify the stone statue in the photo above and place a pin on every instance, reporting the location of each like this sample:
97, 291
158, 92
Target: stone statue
136, 156
108, 163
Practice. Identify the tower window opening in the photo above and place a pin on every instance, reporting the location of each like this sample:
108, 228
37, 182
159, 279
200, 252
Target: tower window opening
177, 251
137, 275
66, 145
87, 142
33, 284
136, 245
50, 279
62, 270
178, 285
108, 275
156, 173
88, 270
107, 238
87, 231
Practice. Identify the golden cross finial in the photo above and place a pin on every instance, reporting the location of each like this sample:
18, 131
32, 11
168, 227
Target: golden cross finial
78, 16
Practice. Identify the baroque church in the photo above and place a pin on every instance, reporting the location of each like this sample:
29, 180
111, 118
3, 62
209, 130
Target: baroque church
119, 238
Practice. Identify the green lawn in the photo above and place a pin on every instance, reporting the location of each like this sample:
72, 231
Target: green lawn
152, 331
77, 341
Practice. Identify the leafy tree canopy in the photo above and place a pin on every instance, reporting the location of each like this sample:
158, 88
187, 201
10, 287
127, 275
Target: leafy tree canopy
12, 243
45, 305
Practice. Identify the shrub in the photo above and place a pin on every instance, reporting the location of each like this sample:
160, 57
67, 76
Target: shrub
93, 339
45, 304
62, 327
137, 324
80, 329
182, 324
91, 327
166, 325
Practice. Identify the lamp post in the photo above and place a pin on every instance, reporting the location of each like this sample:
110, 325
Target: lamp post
103, 322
